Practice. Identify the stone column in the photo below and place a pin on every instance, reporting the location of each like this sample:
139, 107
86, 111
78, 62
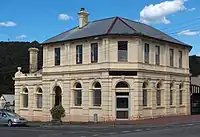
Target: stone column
46, 106
166, 97
66, 98
106, 90
177, 98
85, 100
17, 99
30, 102
137, 107
153, 100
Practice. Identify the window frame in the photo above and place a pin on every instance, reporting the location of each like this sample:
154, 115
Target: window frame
171, 56
95, 97
79, 54
158, 95
145, 98
94, 52
25, 94
180, 59
171, 99
157, 55
77, 92
181, 94
39, 94
120, 46
57, 57
146, 53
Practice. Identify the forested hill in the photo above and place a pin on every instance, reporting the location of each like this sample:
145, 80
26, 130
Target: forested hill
13, 55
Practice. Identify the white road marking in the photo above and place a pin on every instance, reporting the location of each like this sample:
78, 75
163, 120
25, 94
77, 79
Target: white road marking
126, 131
95, 135
190, 124
138, 130
111, 133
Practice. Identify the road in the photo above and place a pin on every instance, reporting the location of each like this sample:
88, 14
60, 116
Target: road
185, 130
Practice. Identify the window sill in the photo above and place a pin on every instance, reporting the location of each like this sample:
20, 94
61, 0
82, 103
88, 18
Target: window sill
95, 107
146, 107
172, 106
37, 109
76, 107
23, 108
182, 106
160, 107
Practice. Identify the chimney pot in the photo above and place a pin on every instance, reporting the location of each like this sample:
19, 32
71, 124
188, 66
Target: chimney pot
33, 59
83, 17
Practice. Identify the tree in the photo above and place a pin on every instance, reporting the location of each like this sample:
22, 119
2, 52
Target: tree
57, 113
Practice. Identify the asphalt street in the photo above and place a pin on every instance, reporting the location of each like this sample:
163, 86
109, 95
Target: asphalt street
184, 130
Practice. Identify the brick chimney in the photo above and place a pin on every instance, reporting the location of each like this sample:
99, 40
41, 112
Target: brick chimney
33, 59
83, 17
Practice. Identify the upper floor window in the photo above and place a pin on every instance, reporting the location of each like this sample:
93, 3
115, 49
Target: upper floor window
157, 55
180, 59
171, 52
146, 53
57, 56
94, 52
79, 54
122, 51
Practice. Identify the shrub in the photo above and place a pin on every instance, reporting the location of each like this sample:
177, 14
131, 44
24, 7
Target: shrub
57, 112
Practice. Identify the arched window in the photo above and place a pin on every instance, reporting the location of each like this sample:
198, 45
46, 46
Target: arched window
122, 84
39, 98
158, 94
78, 95
181, 94
97, 94
145, 94
58, 96
25, 98
171, 94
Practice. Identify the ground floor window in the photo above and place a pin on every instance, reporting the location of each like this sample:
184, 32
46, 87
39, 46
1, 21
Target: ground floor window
58, 96
97, 94
145, 94
39, 98
25, 98
78, 94
158, 94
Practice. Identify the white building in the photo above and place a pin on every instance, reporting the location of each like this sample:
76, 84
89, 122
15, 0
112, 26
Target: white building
115, 67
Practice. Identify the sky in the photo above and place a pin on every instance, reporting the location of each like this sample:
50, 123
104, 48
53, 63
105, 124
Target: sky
29, 20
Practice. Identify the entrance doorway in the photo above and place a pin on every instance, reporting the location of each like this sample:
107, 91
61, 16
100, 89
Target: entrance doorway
122, 101
122, 105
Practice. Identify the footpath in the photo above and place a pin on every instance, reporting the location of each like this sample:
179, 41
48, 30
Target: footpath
156, 122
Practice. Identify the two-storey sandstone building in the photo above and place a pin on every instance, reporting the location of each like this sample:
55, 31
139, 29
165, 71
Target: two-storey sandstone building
115, 67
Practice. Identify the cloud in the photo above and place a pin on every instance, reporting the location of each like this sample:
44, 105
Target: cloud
192, 9
189, 33
8, 24
158, 13
21, 37
64, 17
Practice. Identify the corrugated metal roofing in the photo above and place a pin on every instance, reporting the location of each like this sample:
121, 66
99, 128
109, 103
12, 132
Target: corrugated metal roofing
114, 25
